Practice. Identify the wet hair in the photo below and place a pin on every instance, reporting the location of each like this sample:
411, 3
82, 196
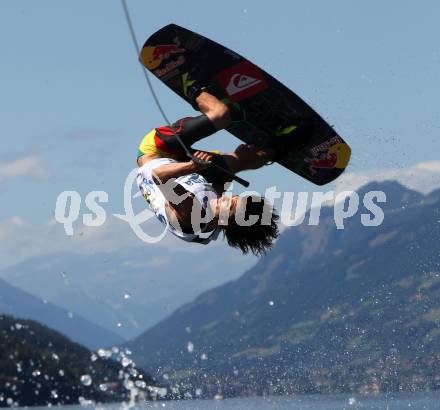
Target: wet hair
257, 237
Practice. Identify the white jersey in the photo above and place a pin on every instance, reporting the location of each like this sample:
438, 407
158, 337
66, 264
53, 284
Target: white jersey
194, 183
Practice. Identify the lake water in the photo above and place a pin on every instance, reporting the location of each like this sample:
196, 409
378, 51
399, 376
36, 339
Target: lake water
419, 401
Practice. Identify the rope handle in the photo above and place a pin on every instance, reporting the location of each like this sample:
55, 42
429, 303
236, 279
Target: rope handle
220, 168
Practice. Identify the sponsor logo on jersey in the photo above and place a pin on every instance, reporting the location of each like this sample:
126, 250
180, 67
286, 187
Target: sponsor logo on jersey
242, 81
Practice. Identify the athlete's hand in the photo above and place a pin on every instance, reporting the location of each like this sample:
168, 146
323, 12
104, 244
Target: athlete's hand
204, 156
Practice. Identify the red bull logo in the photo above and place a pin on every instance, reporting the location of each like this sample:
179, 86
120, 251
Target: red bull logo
153, 56
337, 155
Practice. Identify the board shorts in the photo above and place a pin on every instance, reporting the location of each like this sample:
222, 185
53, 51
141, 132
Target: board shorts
163, 143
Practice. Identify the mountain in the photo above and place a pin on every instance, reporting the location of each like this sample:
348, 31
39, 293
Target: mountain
434, 195
127, 291
39, 366
16, 302
327, 310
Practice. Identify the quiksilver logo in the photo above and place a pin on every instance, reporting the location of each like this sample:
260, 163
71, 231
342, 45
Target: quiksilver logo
240, 82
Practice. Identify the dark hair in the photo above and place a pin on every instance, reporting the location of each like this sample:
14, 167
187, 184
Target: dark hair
257, 237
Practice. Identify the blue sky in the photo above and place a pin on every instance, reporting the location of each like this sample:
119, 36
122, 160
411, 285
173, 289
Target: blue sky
74, 104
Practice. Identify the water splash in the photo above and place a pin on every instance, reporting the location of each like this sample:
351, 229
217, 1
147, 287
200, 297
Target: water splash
86, 380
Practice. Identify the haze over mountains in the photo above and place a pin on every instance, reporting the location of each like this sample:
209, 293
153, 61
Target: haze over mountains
125, 292
16, 302
327, 310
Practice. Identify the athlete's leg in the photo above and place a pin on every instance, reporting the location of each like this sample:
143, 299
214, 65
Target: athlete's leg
247, 157
214, 109
192, 129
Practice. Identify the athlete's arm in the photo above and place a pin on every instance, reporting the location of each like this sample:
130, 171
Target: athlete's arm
169, 171
177, 196
179, 169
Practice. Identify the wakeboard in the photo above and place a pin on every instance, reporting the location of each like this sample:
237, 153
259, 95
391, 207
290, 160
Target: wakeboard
267, 109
